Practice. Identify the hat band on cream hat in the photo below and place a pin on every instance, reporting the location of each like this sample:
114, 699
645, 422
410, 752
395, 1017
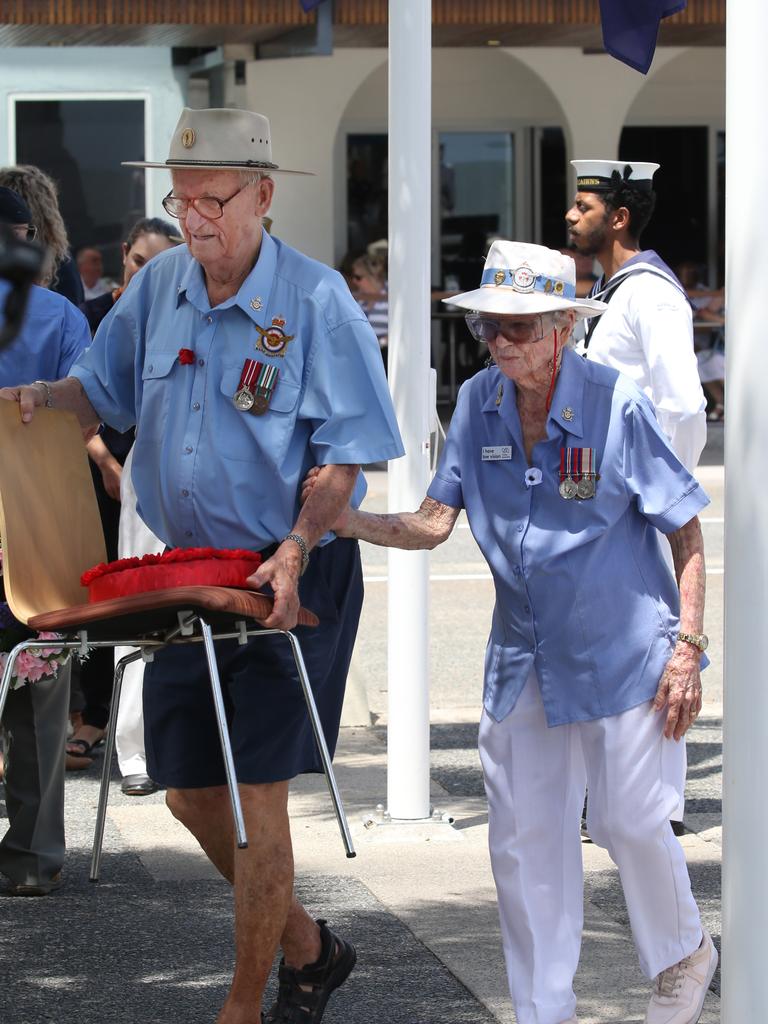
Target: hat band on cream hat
521, 279
220, 139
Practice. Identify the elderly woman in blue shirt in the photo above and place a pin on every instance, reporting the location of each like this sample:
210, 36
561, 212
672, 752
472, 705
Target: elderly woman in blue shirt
592, 665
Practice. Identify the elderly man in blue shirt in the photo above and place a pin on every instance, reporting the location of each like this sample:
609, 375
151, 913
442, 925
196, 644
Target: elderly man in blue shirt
592, 665
242, 363
52, 335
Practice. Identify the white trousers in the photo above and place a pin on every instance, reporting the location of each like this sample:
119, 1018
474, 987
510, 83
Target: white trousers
134, 538
535, 779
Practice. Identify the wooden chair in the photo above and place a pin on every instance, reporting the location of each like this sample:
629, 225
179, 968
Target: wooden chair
51, 533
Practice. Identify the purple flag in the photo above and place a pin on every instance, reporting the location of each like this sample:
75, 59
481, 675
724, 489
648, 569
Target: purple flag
630, 28
310, 5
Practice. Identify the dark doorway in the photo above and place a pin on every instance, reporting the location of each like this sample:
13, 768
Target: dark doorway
679, 229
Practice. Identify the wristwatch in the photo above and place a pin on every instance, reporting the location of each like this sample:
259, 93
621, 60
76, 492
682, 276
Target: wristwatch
700, 640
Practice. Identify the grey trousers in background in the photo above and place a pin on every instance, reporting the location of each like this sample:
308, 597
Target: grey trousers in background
35, 730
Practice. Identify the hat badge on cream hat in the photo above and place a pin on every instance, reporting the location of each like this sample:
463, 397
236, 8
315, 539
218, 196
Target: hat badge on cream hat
521, 278
607, 175
223, 139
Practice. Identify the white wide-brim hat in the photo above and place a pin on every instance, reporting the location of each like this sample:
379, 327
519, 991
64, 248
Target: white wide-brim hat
521, 278
220, 139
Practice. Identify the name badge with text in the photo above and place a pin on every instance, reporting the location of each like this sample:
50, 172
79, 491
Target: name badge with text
497, 453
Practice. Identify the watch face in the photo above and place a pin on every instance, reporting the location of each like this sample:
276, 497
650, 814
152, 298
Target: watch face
703, 641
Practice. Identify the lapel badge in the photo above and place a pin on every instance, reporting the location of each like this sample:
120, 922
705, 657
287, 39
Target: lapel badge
567, 413
273, 341
256, 303
499, 395
499, 277
188, 138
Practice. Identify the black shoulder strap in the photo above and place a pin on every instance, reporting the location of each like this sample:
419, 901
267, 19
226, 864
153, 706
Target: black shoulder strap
606, 297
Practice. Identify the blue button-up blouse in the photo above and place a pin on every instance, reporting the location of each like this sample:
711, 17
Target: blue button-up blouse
583, 593
206, 473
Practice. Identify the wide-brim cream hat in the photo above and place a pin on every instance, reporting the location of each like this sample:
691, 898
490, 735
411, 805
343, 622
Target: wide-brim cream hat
220, 139
521, 278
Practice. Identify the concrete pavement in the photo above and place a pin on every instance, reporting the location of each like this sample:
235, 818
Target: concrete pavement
152, 941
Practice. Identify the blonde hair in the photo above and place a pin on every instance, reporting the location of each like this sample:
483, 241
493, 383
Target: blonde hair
41, 195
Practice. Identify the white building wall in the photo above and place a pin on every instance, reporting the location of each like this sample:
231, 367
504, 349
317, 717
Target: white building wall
98, 73
313, 103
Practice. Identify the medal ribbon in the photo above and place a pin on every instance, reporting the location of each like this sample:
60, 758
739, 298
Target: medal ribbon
267, 378
248, 375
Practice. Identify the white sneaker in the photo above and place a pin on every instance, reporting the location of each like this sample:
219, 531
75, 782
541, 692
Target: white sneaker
679, 992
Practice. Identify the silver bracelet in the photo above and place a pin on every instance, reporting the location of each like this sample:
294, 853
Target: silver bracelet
48, 392
298, 539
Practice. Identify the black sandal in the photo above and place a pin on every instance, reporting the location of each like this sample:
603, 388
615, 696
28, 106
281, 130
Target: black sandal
298, 1005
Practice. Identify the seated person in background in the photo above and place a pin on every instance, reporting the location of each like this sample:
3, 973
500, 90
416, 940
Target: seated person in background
708, 336
368, 283
91, 268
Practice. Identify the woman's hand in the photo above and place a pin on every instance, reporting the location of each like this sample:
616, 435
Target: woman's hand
680, 690
307, 486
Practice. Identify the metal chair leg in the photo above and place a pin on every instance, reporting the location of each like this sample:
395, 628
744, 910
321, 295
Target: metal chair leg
322, 746
109, 746
226, 746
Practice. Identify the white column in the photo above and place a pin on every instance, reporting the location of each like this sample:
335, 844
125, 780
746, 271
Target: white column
410, 65
745, 753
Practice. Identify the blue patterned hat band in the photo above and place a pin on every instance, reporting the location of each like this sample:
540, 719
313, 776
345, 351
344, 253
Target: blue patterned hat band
523, 279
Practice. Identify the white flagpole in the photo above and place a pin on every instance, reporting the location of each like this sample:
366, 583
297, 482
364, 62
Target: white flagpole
745, 748
410, 82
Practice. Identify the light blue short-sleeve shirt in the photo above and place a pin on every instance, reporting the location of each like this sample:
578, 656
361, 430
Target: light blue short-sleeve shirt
583, 593
53, 334
204, 472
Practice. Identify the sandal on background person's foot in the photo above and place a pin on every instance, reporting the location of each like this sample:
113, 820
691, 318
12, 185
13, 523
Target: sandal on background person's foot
78, 746
717, 415
303, 993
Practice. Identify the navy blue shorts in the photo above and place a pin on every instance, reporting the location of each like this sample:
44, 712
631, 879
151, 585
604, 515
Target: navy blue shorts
271, 734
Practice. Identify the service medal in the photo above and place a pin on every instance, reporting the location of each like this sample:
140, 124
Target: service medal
243, 400
585, 488
265, 382
568, 488
243, 397
259, 405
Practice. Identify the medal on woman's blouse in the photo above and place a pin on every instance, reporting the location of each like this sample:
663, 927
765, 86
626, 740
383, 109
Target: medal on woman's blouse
585, 459
578, 478
568, 487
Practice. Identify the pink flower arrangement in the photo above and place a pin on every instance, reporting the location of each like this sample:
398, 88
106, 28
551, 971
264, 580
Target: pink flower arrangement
30, 665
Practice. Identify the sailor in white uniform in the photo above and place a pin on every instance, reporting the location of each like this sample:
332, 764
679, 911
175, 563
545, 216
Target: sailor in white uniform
647, 330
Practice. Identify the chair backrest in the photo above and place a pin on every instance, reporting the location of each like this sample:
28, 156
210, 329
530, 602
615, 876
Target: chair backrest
50, 526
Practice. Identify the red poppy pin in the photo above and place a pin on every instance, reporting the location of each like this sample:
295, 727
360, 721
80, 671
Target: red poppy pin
186, 356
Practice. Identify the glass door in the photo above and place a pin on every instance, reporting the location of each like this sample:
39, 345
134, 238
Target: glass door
476, 201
